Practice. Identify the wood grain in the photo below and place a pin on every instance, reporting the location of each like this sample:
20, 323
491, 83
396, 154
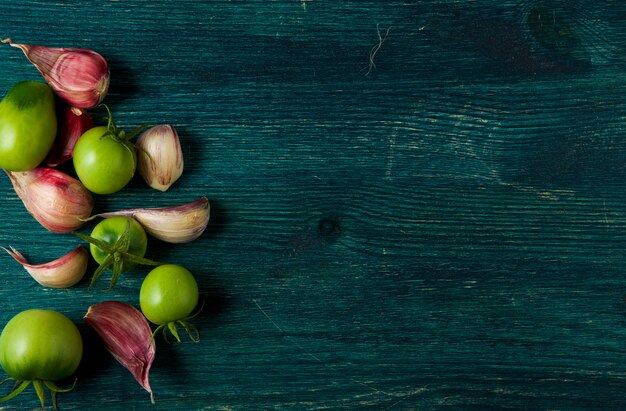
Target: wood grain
416, 205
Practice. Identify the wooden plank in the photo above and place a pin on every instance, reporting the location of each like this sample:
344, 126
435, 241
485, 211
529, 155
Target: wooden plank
415, 204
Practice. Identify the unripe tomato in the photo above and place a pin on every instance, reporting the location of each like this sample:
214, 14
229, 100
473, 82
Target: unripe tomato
111, 229
168, 293
104, 164
28, 125
40, 345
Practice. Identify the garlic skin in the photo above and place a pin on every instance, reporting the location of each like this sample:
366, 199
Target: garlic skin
63, 272
126, 334
56, 200
73, 122
176, 224
159, 156
79, 76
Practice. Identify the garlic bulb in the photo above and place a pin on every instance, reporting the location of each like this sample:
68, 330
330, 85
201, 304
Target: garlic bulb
79, 76
63, 272
177, 224
159, 156
57, 201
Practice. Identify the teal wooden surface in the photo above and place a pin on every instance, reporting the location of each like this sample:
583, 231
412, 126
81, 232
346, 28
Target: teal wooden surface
416, 205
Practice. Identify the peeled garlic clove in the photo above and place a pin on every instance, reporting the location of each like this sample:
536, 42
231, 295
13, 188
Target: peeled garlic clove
177, 224
159, 156
56, 200
126, 334
63, 272
73, 123
79, 76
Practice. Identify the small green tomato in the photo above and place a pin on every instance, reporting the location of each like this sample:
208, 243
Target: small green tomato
103, 164
104, 158
168, 295
117, 243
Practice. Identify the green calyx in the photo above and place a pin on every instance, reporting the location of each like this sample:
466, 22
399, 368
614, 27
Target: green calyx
117, 255
120, 135
172, 327
39, 385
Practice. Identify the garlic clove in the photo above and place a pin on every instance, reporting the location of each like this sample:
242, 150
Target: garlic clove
159, 156
73, 122
56, 200
176, 224
79, 76
126, 334
63, 272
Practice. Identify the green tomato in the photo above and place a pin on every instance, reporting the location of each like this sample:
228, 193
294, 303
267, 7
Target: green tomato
111, 229
168, 295
40, 347
122, 239
28, 125
106, 164
117, 243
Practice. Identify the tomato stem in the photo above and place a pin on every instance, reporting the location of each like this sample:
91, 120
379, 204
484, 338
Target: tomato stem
105, 264
196, 313
38, 385
20, 386
136, 131
117, 255
120, 135
41, 394
192, 331
172, 326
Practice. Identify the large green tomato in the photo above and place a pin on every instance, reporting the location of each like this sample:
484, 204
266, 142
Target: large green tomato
40, 345
104, 164
28, 125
